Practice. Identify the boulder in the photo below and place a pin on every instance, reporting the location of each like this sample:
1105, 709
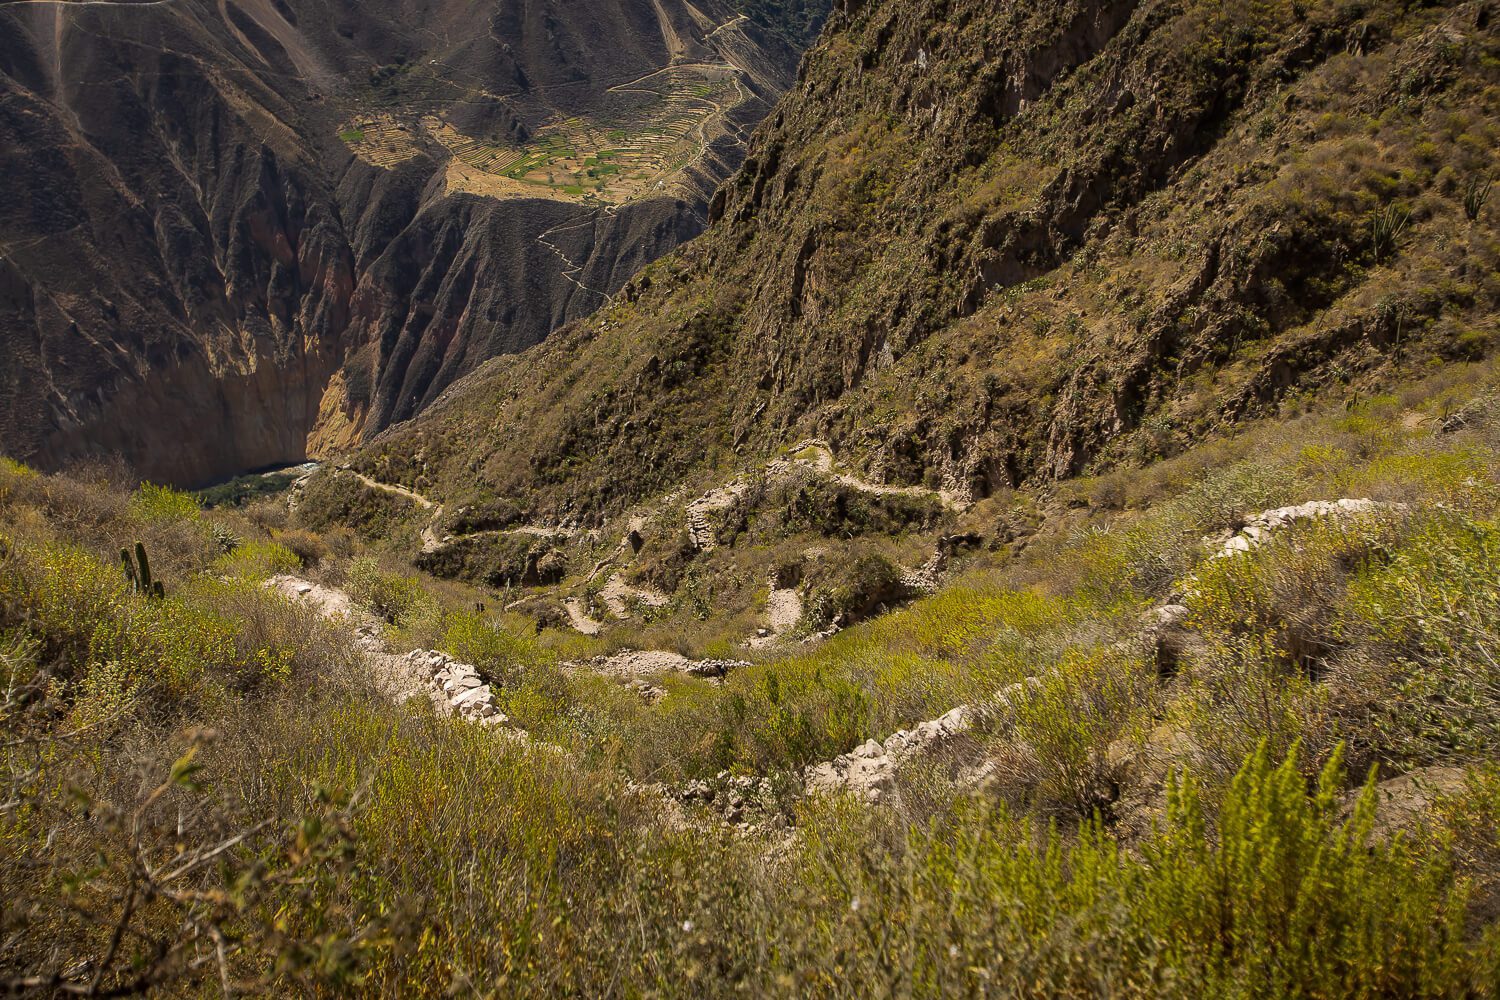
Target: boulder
472, 697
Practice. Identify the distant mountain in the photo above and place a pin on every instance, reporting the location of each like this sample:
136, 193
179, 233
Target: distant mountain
237, 229
980, 245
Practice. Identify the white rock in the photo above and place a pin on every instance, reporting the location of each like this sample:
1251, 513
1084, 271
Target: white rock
455, 685
472, 696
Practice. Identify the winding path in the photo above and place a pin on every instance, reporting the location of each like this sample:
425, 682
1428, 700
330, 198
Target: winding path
570, 269
431, 540
823, 462
400, 491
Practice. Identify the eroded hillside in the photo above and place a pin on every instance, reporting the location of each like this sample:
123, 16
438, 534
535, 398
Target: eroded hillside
235, 232
981, 245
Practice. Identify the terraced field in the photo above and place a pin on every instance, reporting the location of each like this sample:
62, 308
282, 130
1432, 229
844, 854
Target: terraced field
382, 139
649, 130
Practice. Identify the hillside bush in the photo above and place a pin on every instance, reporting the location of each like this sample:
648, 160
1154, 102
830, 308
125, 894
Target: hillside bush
1058, 730
1429, 619
1275, 892
332, 499
396, 598
162, 503
258, 560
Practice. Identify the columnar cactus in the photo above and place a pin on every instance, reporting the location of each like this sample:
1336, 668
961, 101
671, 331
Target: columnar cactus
138, 571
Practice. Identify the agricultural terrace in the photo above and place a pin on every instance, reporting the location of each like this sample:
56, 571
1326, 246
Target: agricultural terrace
637, 144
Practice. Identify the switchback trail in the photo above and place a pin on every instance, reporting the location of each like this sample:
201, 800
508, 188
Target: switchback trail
571, 270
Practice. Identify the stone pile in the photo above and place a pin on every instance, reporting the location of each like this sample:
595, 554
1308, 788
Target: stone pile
650, 693
714, 669
735, 798
639, 663
869, 770
456, 687
1260, 527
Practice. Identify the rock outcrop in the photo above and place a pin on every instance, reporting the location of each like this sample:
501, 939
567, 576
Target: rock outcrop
454, 688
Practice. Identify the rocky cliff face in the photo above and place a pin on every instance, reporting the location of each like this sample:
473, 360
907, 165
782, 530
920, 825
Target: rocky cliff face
987, 243
233, 228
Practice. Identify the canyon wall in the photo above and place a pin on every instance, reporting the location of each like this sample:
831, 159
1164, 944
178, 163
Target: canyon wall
232, 229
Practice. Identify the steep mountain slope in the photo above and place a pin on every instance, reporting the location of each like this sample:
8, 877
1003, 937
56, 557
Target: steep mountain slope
233, 229
748, 672
982, 244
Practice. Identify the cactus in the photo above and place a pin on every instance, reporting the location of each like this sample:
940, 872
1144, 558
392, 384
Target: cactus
1476, 193
1386, 227
225, 539
138, 571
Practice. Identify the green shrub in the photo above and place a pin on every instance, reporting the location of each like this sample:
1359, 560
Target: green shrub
1430, 619
165, 651
331, 500
1459, 478
309, 548
1222, 499
1284, 595
1058, 729
498, 652
153, 504
853, 587
60, 593
85, 612
1291, 899
1267, 631
277, 641
1272, 894
1239, 692
1144, 558
18, 653
805, 500
958, 646
493, 560
257, 561
1468, 820
397, 599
